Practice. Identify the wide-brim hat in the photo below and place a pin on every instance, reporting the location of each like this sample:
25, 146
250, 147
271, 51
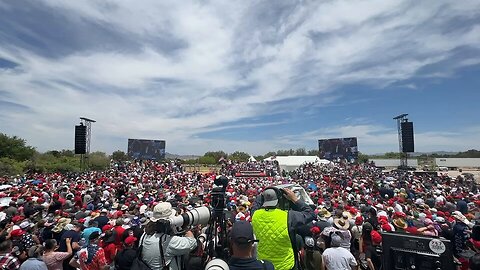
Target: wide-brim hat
324, 213
162, 210
341, 223
61, 224
400, 223
460, 217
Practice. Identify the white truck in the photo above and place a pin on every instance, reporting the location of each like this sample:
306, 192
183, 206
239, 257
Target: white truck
456, 163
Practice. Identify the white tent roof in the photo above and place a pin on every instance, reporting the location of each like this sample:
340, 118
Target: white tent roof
251, 159
297, 160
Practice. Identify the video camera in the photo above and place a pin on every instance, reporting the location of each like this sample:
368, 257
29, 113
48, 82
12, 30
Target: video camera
218, 194
284, 203
202, 215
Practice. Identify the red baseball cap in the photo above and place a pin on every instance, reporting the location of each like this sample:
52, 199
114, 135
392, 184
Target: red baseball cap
376, 237
17, 233
386, 227
130, 240
107, 227
359, 220
16, 219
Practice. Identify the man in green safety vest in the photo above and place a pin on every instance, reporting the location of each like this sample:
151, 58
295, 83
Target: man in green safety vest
276, 228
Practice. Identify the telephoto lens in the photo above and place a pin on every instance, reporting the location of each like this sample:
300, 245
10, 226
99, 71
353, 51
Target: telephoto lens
199, 215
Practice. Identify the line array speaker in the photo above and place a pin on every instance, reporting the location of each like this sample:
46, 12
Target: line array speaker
80, 139
407, 137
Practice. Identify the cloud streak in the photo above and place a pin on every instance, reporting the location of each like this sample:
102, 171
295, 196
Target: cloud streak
175, 69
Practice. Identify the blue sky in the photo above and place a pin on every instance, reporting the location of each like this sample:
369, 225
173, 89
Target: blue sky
253, 76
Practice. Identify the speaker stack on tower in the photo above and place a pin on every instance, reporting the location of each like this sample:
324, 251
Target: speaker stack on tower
80, 139
407, 137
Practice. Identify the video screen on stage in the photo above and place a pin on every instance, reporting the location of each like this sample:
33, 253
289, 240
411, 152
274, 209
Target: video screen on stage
146, 149
338, 148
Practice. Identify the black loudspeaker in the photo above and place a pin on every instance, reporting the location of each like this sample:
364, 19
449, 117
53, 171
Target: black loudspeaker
407, 137
80, 139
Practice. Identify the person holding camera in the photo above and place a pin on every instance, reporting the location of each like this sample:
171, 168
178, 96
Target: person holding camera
159, 240
276, 228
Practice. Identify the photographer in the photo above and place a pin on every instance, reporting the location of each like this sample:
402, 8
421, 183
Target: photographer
276, 228
173, 247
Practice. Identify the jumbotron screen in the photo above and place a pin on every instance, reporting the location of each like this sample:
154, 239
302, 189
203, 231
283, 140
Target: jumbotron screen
338, 148
146, 149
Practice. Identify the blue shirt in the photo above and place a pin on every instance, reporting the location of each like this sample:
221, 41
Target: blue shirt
33, 264
88, 231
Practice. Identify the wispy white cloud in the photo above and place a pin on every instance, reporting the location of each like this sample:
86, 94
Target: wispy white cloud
180, 68
378, 139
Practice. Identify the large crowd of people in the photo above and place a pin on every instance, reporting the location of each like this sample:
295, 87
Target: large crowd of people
118, 218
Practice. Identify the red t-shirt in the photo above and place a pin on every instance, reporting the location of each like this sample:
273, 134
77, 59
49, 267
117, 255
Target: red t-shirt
98, 261
110, 252
118, 237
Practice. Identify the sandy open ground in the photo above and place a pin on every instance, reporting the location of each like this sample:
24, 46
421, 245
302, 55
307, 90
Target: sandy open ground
476, 173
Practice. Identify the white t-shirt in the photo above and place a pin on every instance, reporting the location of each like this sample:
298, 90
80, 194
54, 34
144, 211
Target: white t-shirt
357, 231
338, 258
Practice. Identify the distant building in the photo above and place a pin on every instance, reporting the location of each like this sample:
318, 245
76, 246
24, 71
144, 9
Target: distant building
392, 163
456, 163
290, 163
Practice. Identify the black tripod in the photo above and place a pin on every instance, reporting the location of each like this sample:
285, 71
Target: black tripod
217, 244
216, 234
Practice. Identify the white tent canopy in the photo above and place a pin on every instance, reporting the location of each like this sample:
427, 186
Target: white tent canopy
290, 163
251, 159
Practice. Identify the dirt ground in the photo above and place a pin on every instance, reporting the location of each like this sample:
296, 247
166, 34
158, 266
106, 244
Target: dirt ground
476, 174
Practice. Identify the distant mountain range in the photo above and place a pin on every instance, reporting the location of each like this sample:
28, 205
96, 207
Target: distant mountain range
416, 154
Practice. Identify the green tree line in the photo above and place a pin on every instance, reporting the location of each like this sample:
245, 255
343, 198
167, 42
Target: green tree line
16, 157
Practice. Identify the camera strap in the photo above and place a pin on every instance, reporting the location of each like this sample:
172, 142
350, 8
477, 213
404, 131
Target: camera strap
160, 243
293, 242
140, 247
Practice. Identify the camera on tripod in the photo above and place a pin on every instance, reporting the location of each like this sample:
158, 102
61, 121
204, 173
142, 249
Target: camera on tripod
218, 194
202, 215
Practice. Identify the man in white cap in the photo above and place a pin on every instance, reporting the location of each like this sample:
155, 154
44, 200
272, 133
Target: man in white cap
159, 239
